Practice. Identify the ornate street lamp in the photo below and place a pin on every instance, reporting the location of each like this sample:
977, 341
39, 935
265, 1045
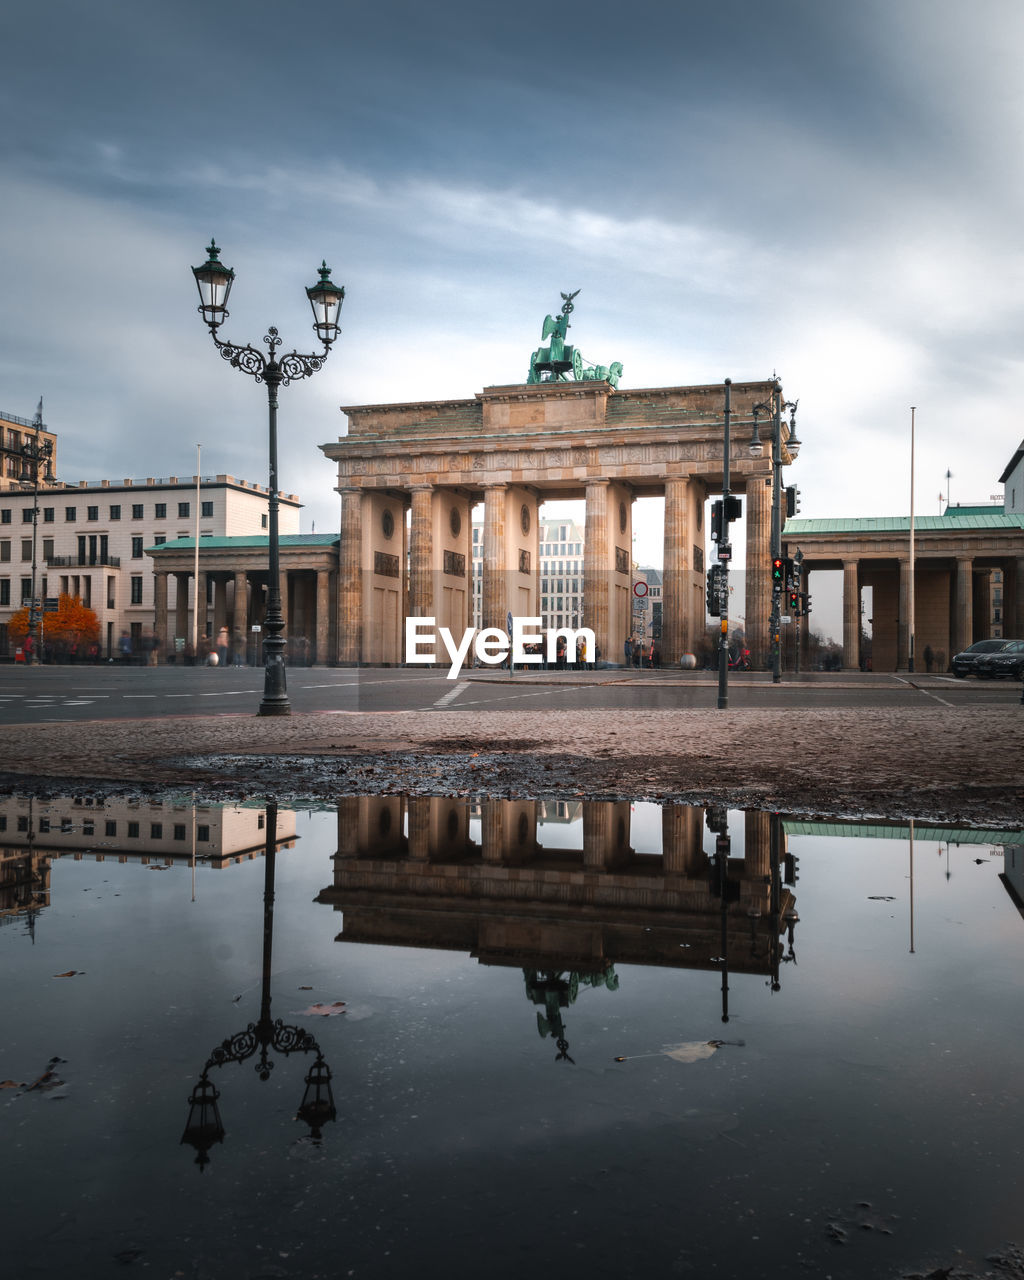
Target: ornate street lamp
214, 279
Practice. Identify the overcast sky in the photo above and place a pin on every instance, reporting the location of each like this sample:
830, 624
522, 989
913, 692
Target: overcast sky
828, 190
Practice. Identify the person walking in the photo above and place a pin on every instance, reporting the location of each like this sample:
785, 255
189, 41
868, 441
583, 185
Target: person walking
124, 647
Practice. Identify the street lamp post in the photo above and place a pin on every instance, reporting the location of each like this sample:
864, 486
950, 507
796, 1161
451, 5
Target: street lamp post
724, 553
213, 280
773, 408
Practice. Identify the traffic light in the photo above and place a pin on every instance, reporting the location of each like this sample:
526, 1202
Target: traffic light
806, 602
733, 508
718, 522
792, 501
794, 602
778, 572
714, 590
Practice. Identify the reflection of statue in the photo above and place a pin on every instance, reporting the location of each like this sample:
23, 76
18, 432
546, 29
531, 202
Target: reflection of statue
553, 362
556, 991
204, 1127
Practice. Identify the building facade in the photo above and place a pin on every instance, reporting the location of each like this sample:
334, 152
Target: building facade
91, 541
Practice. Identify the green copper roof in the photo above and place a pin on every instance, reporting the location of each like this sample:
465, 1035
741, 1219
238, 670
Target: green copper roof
252, 540
901, 831
954, 518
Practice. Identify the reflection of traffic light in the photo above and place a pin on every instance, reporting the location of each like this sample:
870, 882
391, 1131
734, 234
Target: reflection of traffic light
778, 571
790, 869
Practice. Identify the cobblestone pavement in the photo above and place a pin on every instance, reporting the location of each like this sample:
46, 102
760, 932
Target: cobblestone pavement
932, 762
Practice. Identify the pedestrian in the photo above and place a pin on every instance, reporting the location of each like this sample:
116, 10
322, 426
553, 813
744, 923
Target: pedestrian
223, 646
124, 647
628, 650
929, 657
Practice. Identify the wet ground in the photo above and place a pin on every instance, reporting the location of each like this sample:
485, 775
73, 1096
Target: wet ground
589, 1039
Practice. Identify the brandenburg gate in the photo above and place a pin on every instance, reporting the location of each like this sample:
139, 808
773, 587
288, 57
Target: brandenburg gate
513, 447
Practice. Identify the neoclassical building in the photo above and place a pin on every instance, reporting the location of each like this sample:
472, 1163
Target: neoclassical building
512, 448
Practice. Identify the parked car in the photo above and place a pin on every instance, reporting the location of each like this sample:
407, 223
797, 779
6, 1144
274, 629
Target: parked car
1007, 661
966, 663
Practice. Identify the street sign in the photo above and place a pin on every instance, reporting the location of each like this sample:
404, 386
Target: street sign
640, 589
725, 551
508, 622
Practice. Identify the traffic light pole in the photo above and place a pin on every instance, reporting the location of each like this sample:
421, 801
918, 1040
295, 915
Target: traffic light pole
776, 614
723, 545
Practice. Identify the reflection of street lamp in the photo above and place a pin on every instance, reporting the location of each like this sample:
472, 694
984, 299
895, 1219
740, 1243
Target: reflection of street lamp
213, 280
204, 1127
773, 407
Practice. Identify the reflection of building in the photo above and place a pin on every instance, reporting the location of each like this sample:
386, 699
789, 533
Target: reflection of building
409, 873
127, 831
1013, 874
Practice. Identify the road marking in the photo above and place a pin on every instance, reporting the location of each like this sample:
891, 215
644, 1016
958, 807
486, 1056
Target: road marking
452, 694
138, 695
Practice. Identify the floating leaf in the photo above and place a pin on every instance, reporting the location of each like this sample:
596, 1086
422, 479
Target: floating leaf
322, 1010
71, 973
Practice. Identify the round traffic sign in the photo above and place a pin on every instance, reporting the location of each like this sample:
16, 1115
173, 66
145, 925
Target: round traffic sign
640, 589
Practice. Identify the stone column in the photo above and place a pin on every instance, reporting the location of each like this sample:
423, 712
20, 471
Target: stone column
419, 828
492, 831
349, 813
350, 586
759, 574
963, 617
199, 605
676, 634
421, 554
598, 833
682, 848
323, 621
757, 848
160, 613
220, 602
495, 603
240, 617
1013, 599
851, 615
903, 617
181, 627
595, 567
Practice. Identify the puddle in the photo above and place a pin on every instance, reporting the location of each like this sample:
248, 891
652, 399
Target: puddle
615, 1035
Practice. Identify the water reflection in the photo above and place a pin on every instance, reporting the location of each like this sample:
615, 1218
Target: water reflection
475, 875
204, 1127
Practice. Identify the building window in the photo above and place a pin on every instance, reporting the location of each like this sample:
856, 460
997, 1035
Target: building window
137, 589
5, 550
47, 548
44, 826
5, 591
137, 548
115, 513
136, 510
26, 515
22, 822
48, 515
88, 827
183, 509
92, 513
160, 510
202, 832
207, 511
26, 590
26, 548
5, 516
156, 831
263, 522
179, 831
159, 539
70, 514
133, 831
110, 828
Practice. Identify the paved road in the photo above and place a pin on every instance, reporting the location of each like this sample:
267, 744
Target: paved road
68, 694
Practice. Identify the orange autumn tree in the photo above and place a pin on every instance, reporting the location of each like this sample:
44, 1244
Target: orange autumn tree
73, 626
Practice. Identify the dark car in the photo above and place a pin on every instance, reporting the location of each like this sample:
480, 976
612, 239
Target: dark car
1007, 661
966, 663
